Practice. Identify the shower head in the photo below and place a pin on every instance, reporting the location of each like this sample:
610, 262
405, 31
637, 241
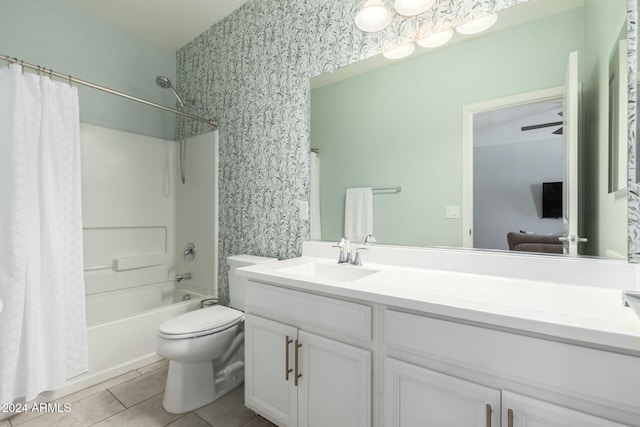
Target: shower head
165, 83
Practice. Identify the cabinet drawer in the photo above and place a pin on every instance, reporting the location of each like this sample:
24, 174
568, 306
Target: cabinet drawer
345, 318
608, 378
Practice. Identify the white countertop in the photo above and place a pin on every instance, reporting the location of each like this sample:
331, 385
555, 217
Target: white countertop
590, 315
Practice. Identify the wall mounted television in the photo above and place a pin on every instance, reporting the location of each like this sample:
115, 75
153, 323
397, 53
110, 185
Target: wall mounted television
552, 199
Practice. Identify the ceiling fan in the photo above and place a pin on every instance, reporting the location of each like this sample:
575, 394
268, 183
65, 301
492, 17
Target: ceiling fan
545, 125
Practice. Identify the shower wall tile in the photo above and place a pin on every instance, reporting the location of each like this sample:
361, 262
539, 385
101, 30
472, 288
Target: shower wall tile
252, 71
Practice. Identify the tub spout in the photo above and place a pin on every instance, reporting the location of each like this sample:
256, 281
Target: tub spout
181, 277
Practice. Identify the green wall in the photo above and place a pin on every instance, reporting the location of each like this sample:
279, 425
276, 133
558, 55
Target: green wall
55, 35
604, 214
402, 125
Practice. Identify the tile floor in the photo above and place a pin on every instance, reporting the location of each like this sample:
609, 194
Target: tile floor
135, 399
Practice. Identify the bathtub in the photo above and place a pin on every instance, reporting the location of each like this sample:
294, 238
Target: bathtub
122, 327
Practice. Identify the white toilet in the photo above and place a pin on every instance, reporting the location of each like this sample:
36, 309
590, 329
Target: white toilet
206, 347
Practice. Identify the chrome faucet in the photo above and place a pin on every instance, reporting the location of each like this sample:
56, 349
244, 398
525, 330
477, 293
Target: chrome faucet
369, 239
345, 252
208, 302
357, 259
181, 277
627, 295
189, 252
346, 256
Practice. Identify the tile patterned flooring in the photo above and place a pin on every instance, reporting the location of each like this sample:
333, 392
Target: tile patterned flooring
135, 399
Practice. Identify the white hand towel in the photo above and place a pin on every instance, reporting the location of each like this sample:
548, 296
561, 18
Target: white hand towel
358, 213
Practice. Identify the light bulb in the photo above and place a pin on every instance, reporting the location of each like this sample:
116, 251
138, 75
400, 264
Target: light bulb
478, 25
374, 16
436, 39
412, 7
400, 51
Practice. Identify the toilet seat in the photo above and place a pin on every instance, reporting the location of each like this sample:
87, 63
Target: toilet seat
200, 322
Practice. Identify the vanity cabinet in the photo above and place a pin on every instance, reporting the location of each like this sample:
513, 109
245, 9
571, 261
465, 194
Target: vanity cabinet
416, 396
297, 378
504, 366
311, 360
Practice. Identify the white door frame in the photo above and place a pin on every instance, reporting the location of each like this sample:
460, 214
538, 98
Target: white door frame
468, 112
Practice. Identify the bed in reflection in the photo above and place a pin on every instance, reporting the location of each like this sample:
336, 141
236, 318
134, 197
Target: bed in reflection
533, 242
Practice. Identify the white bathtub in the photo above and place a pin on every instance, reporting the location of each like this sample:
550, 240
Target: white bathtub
122, 329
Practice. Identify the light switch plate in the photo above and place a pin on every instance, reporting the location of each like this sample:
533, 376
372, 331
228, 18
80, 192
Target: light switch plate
303, 207
453, 212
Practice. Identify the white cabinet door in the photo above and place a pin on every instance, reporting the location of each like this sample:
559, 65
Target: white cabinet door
269, 387
334, 388
418, 397
522, 411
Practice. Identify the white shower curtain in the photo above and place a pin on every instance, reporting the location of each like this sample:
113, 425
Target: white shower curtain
42, 326
314, 202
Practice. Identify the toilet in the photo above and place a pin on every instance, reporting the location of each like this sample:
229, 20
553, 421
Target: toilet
205, 347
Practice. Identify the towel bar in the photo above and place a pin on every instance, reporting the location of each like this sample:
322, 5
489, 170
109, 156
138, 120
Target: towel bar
388, 189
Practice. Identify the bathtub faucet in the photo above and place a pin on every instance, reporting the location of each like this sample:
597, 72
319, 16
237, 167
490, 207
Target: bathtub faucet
181, 277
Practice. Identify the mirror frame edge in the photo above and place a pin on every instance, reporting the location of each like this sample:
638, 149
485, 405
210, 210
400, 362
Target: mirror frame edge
633, 199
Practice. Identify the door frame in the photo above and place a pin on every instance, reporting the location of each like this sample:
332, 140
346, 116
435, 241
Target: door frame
468, 112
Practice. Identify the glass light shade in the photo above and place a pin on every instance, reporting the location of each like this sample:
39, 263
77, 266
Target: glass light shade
478, 25
436, 39
374, 16
400, 51
413, 7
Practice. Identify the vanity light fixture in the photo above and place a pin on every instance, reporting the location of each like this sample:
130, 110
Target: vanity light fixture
478, 25
436, 39
374, 16
412, 7
400, 52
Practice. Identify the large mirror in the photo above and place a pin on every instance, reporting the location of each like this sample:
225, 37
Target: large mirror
464, 145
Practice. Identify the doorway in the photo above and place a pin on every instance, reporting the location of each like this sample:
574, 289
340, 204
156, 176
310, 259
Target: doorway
512, 148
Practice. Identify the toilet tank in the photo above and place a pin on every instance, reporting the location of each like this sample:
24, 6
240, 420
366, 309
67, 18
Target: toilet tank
236, 283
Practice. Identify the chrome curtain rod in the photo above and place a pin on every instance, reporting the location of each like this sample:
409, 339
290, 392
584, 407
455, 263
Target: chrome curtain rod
48, 71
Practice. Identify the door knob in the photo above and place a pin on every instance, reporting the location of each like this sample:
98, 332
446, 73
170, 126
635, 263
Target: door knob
573, 239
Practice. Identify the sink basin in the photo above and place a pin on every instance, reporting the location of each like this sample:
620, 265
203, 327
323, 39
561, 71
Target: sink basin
335, 272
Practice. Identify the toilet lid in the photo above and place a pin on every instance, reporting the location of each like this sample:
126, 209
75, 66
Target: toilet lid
199, 322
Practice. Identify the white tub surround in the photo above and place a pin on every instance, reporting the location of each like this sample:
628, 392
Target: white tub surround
129, 209
197, 215
560, 351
